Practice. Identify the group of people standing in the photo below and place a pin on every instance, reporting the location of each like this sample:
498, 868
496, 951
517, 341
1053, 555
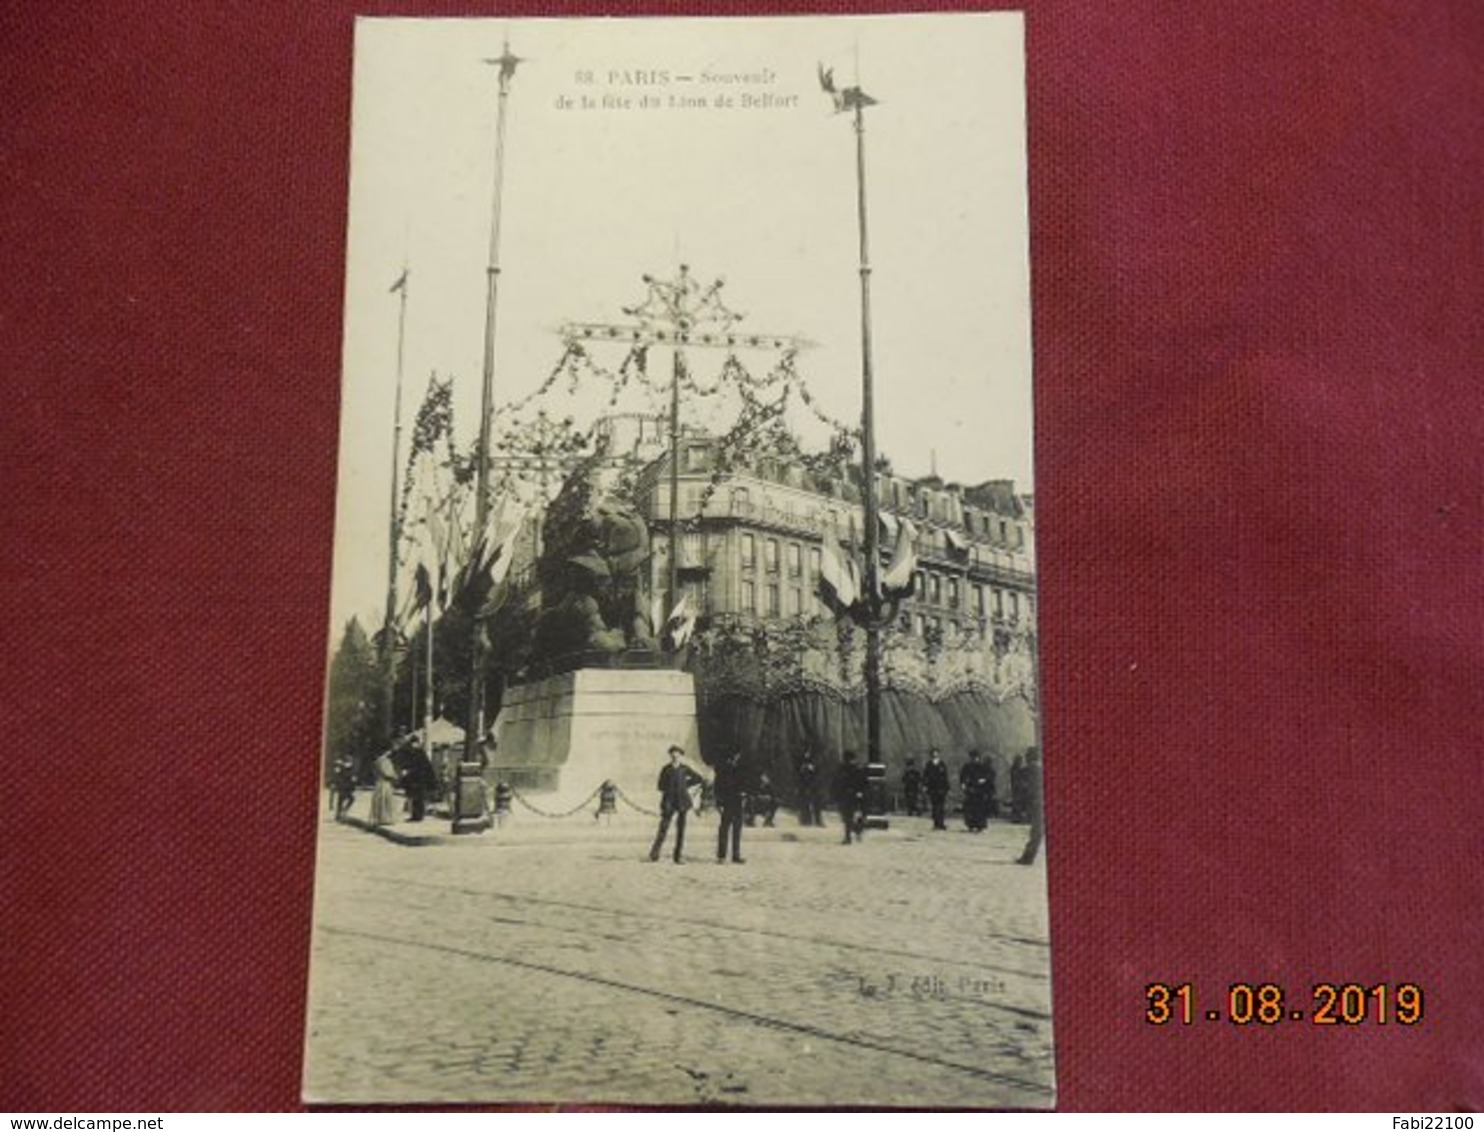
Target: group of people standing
736, 801
976, 779
405, 765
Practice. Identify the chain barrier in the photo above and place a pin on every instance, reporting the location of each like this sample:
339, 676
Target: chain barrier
543, 813
635, 805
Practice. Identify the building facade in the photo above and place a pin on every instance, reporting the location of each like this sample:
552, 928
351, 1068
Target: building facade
751, 542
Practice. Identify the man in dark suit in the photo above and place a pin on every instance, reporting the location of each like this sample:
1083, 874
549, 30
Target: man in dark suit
731, 799
675, 782
850, 796
977, 780
912, 787
807, 774
935, 782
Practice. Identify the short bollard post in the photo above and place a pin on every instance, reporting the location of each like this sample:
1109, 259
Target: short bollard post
470, 810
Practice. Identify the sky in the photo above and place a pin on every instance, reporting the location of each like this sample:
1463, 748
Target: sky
597, 194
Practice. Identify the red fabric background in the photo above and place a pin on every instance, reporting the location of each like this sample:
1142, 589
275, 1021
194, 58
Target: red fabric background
1256, 237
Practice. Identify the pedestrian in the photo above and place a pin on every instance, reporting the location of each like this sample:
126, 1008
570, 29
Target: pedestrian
935, 782
807, 775
912, 786
1033, 805
383, 799
607, 800
977, 780
731, 797
850, 796
763, 802
419, 780
675, 782
344, 785
1019, 785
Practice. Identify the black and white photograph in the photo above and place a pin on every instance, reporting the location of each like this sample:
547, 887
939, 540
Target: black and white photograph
682, 717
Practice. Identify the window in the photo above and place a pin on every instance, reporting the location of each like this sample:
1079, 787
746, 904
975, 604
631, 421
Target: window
921, 588
795, 602
953, 593
697, 598
692, 550
999, 603
935, 588
1004, 535
695, 458
917, 624
749, 552
814, 558
979, 600
770, 556
772, 599
1014, 606
795, 560
741, 501
749, 597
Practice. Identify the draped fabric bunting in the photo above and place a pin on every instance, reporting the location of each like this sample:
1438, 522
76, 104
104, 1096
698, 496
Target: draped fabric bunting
773, 732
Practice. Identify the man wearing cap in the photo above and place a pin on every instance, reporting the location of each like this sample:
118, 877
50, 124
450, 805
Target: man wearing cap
675, 782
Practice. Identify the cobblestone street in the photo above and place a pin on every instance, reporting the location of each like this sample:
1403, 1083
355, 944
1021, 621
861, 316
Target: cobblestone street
552, 961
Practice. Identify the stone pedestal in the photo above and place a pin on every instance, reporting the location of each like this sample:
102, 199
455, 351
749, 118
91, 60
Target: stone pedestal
561, 737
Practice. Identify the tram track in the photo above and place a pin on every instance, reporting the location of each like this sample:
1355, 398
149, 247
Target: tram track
670, 920
768, 1021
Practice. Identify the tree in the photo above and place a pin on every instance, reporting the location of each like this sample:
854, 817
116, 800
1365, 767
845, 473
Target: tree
354, 697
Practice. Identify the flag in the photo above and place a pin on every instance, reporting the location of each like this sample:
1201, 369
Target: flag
400, 284
434, 418
679, 625
442, 546
424, 587
839, 581
847, 99
487, 566
901, 573
470, 584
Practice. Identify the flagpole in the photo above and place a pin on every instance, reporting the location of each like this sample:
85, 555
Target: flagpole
475, 730
428, 700
673, 546
388, 650
855, 99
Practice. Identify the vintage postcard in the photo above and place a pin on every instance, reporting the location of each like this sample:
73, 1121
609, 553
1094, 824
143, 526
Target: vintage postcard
682, 724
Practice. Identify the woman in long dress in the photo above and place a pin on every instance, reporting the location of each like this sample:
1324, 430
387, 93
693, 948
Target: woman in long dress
383, 800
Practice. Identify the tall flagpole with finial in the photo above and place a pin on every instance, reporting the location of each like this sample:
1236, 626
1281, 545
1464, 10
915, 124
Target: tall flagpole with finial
855, 100
389, 622
506, 62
